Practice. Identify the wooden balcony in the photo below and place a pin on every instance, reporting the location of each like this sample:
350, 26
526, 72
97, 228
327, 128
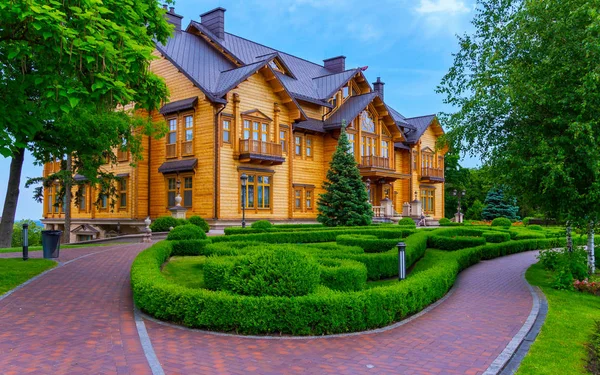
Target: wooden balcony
187, 148
375, 162
252, 151
432, 175
172, 151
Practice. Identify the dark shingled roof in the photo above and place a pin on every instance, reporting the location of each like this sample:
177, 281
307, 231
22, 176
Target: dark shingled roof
420, 124
401, 145
311, 124
179, 105
184, 165
351, 108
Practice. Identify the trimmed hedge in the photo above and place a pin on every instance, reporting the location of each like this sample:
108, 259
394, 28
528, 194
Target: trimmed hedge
535, 227
261, 224
407, 222
199, 222
322, 312
501, 222
343, 274
369, 243
165, 223
190, 247
233, 231
186, 232
314, 236
454, 243
496, 237
526, 235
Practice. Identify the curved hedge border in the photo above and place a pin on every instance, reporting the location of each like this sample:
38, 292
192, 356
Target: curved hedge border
369, 243
315, 235
454, 243
233, 231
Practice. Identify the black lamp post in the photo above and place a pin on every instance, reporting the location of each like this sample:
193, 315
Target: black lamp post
401, 261
25, 241
244, 179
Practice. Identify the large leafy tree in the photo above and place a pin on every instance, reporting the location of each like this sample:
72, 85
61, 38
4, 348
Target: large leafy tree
345, 201
528, 96
57, 55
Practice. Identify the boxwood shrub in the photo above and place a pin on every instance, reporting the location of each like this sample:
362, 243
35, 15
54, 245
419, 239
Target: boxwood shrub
186, 232
190, 247
199, 222
299, 228
165, 223
495, 237
261, 224
407, 222
535, 227
454, 243
369, 243
526, 235
343, 274
315, 236
501, 222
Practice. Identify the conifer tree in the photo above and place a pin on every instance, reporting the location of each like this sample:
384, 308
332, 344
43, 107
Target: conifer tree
497, 205
345, 202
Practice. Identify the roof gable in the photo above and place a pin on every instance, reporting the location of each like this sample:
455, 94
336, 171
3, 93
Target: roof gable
256, 113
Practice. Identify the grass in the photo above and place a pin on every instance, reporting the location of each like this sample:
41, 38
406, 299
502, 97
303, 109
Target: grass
14, 271
186, 271
560, 346
39, 247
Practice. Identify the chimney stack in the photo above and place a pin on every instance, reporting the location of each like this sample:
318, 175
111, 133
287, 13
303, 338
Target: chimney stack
214, 21
172, 17
378, 87
335, 64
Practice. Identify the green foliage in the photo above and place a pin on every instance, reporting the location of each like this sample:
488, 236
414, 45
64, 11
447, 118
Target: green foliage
407, 222
345, 201
216, 272
343, 275
444, 221
525, 234
296, 228
190, 247
535, 227
526, 220
14, 272
566, 266
369, 243
501, 222
497, 205
262, 224
593, 346
165, 223
199, 222
475, 212
496, 237
454, 243
274, 271
186, 232
34, 233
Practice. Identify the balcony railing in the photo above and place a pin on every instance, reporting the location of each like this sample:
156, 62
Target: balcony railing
253, 147
428, 172
375, 162
188, 148
172, 150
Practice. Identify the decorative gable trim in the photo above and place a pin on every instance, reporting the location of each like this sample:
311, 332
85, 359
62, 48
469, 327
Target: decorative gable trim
256, 113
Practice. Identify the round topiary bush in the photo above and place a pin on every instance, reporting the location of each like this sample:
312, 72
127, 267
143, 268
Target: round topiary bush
199, 222
274, 271
261, 224
501, 222
535, 227
186, 232
164, 224
407, 222
445, 221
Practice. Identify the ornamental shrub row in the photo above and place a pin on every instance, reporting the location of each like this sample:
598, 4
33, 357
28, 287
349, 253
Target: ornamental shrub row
454, 243
495, 237
369, 243
343, 274
407, 222
230, 231
526, 235
315, 236
165, 223
186, 232
501, 222
322, 312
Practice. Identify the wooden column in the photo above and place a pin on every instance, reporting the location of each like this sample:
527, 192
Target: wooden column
276, 111
236, 124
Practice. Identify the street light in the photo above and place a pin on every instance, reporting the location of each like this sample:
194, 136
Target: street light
25, 241
401, 261
244, 179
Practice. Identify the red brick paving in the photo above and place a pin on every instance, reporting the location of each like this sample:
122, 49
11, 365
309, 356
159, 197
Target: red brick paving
463, 335
76, 319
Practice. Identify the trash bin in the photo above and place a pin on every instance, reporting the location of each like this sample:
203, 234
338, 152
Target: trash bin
51, 243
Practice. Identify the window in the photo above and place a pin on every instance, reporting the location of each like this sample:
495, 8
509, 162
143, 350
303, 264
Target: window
345, 92
187, 191
122, 154
123, 193
385, 149
226, 131
103, 201
441, 162
428, 200
172, 138
352, 140
309, 147
188, 144
247, 129
256, 130
368, 146
304, 198
50, 196
414, 160
171, 191
426, 160
258, 192
298, 143
83, 199
283, 140
366, 122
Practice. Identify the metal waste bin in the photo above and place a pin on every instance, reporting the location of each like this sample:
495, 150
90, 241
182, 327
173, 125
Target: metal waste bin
51, 243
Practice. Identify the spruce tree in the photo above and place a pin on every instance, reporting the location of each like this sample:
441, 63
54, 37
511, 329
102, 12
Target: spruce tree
345, 202
497, 205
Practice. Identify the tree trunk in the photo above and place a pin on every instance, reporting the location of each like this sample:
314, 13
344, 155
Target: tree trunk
67, 203
569, 238
590, 249
12, 197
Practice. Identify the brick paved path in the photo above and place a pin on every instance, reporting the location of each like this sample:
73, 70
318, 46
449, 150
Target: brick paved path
463, 335
77, 319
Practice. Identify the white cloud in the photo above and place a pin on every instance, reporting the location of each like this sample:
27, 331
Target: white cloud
442, 6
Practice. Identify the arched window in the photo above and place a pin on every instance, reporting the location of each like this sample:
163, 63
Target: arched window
366, 122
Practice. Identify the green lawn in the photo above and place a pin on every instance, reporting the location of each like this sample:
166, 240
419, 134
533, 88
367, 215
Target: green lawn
560, 347
186, 271
15, 271
39, 248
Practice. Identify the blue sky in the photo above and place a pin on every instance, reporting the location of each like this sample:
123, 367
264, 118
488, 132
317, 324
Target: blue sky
408, 43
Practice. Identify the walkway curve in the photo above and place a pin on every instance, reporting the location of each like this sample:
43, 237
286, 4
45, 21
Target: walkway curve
78, 319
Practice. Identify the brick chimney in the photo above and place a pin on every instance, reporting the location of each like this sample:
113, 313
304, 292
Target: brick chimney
378, 87
214, 21
172, 17
336, 64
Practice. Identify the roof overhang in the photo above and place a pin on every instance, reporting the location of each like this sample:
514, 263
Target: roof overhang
178, 166
179, 105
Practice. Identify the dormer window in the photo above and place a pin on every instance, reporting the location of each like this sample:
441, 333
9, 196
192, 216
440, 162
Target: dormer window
366, 122
345, 92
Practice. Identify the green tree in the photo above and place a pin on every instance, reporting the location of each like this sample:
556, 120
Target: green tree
345, 201
475, 212
498, 205
55, 56
526, 87
34, 233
